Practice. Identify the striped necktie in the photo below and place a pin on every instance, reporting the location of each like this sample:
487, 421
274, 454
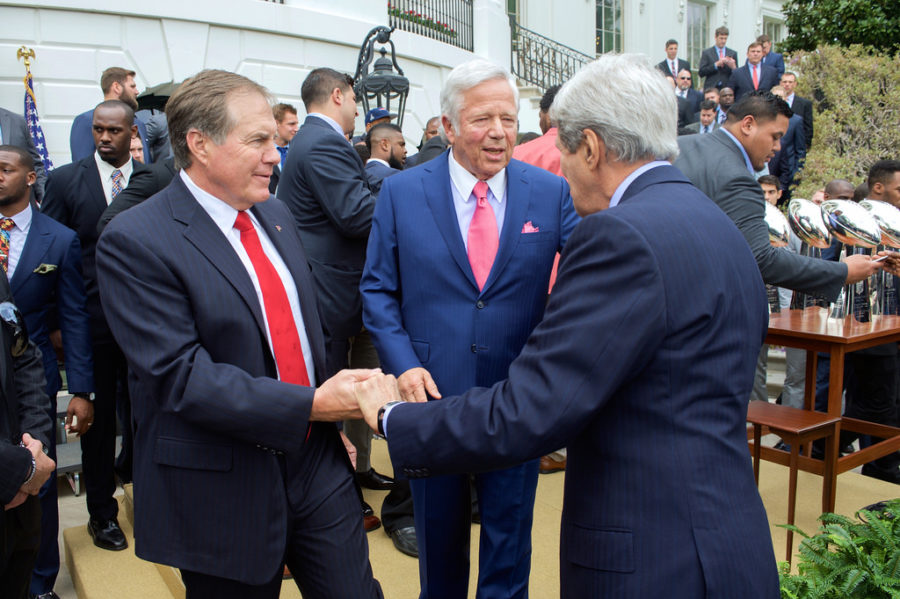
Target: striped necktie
118, 183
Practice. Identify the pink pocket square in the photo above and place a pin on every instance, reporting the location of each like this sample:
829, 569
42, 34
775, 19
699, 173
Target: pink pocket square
529, 228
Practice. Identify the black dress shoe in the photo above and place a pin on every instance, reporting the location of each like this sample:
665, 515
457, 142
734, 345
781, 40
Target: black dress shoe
367, 509
405, 540
372, 480
50, 595
107, 534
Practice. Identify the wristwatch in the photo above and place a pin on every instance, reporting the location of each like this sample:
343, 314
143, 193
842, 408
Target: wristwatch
381, 412
87, 396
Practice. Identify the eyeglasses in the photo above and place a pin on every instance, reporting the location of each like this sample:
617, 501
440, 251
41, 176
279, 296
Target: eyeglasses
688, 78
15, 325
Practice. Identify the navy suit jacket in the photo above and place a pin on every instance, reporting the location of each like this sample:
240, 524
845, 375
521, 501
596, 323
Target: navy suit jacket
742, 81
376, 172
421, 303
804, 108
37, 293
776, 61
324, 184
683, 65
642, 367
14, 132
74, 197
788, 160
215, 431
81, 137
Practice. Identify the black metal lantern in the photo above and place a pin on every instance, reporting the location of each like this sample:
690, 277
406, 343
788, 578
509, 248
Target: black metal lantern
383, 87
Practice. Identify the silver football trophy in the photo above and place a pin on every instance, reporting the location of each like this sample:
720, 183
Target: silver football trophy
855, 227
884, 295
805, 219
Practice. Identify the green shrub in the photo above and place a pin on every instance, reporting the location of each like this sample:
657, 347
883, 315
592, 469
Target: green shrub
848, 559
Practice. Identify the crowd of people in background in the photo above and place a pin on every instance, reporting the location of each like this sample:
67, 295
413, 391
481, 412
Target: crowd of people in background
226, 333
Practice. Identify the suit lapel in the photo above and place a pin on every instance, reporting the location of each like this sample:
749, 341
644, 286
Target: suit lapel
90, 178
203, 234
36, 245
302, 279
439, 196
518, 196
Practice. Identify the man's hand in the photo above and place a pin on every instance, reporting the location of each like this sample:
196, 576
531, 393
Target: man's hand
415, 383
859, 267
374, 393
83, 412
18, 500
334, 399
351, 449
43, 464
891, 263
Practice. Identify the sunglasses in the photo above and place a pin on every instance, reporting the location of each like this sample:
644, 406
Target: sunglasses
15, 325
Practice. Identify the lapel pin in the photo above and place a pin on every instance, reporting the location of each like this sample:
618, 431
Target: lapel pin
278, 227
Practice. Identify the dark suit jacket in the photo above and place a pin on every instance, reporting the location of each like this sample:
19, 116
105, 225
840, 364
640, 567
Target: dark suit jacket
61, 290
273, 180
14, 132
776, 61
663, 67
430, 150
418, 284
786, 161
694, 98
141, 186
75, 198
642, 366
324, 184
81, 137
686, 116
23, 409
715, 76
376, 172
742, 81
214, 429
804, 108
714, 164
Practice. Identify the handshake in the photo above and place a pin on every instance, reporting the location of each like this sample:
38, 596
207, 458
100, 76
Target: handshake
43, 468
361, 393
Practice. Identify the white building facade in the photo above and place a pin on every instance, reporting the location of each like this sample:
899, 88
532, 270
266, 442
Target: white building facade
277, 43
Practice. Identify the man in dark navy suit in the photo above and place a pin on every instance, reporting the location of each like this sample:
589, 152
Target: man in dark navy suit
772, 59
753, 76
621, 370
387, 153
43, 264
239, 468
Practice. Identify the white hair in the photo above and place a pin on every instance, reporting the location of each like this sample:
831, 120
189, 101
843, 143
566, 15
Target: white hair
466, 76
626, 102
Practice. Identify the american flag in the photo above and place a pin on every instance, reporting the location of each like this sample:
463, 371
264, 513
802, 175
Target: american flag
34, 123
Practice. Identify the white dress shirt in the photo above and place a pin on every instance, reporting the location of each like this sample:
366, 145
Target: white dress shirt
224, 216
106, 173
462, 184
17, 236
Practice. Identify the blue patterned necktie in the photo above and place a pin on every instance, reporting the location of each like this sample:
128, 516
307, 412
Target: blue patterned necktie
5, 225
117, 183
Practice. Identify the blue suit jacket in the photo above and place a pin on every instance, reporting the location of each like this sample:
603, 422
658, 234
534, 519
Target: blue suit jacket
214, 429
776, 61
51, 244
788, 160
420, 300
642, 367
81, 137
742, 81
376, 173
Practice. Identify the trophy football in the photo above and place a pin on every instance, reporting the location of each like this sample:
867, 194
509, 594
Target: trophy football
779, 235
884, 295
805, 219
855, 227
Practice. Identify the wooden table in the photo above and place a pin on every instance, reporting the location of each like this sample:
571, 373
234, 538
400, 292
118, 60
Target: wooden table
812, 330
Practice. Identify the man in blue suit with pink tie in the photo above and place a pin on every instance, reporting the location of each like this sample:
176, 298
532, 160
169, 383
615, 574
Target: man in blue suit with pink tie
642, 367
456, 277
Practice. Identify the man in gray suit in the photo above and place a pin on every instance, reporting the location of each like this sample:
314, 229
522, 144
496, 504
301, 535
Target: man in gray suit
14, 132
722, 165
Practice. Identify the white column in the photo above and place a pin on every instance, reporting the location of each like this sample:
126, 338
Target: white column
491, 36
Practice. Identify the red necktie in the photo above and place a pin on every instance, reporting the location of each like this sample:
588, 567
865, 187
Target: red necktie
483, 238
282, 328
755, 77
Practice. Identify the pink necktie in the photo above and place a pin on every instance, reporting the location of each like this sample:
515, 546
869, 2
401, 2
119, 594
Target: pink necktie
755, 78
721, 53
484, 238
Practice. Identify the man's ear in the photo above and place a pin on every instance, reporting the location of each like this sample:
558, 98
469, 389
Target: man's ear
198, 146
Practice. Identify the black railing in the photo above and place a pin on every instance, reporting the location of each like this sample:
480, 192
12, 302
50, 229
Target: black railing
448, 21
539, 61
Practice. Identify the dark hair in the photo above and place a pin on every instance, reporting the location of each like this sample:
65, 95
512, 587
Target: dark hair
762, 39
670, 42
524, 138
836, 186
24, 157
761, 105
279, 110
770, 180
114, 75
128, 110
380, 131
549, 95
753, 45
708, 105
861, 192
722, 30
883, 171
319, 84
